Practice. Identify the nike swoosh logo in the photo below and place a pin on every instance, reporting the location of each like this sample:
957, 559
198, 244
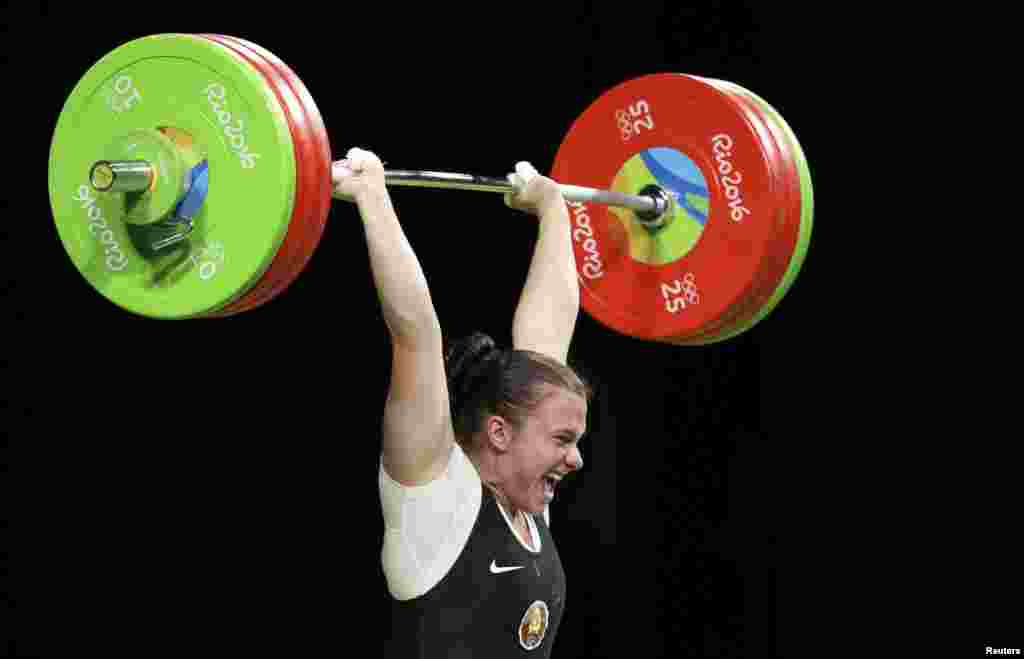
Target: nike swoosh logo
498, 570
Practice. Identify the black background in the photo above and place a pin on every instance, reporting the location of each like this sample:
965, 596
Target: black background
211, 487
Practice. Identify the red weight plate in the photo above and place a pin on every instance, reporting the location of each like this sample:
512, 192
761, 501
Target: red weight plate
741, 309
768, 279
296, 244
318, 170
692, 117
784, 244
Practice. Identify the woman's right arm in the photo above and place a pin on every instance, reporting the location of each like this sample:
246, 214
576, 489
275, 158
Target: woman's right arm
417, 427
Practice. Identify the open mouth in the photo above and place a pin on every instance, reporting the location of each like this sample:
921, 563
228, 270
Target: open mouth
550, 483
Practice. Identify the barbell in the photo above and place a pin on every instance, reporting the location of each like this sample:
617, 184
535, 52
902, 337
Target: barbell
190, 177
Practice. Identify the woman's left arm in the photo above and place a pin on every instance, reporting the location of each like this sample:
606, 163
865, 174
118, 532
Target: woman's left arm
545, 317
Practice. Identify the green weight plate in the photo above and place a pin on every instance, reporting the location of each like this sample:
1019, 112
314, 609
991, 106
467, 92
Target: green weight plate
211, 106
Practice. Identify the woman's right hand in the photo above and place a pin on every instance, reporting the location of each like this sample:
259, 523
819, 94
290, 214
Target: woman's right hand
534, 193
358, 176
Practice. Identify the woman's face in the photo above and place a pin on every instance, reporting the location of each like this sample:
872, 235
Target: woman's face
544, 449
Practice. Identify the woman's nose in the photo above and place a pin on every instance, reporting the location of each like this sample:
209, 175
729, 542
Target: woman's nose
575, 458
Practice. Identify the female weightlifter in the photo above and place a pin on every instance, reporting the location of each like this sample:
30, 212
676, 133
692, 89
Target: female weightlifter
476, 439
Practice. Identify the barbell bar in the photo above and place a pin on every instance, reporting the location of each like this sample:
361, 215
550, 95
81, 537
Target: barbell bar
647, 205
137, 175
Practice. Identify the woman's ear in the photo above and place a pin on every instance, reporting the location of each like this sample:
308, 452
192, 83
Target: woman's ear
499, 435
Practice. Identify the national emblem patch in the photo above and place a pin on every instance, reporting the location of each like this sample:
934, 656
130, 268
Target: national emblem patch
533, 626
